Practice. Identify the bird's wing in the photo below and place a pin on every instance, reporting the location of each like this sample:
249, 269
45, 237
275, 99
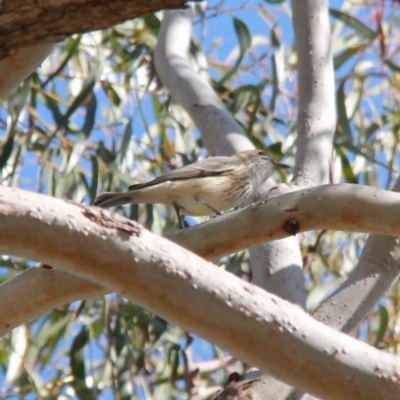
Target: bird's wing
213, 166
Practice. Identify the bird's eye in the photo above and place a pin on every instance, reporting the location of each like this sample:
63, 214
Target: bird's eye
261, 153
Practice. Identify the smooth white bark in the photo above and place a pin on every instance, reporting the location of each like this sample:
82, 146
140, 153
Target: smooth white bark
316, 81
253, 325
221, 134
346, 207
326, 207
316, 126
38, 290
376, 272
315, 129
277, 267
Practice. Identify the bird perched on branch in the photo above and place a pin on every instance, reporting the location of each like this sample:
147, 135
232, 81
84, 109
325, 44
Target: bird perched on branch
206, 187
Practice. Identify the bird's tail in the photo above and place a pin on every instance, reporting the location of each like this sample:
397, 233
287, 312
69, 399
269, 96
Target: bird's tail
113, 199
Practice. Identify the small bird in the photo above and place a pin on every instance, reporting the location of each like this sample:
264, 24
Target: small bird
206, 187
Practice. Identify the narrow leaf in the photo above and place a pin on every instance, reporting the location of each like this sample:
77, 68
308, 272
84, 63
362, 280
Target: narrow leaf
383, 325
354, 23
6, 150
95, 177
346, 167
344, 56
343, 125
244, 38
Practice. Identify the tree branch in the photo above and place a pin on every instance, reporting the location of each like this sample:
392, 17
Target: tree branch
222, 135
345, 207
122, 256
277, 267
317, 111
315, 130
376, 272
26, 22
325, 207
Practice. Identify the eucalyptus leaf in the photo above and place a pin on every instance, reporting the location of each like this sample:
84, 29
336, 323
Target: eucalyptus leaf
244, 37
354, 23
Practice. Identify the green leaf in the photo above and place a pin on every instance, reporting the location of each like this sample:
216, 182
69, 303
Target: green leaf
76, 153
392, 66
6, 150
125, 141
248, 98
87, 88
71, 45
354, 23
243, 34
118, 335
344, 56
111, 93
77, 364
53, 106
91, 107
48, 335
18, 99
95, 177
346, 167
275, 80
372, 129
343, 136
173, 357
383, 325
51, 180
150, 216
276, 150
152, 22
242, 97
244, 38
343, 124
105, 155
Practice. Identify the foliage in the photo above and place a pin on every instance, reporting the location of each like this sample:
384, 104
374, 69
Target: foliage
95, 117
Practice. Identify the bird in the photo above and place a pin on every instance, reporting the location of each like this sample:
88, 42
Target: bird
206, 187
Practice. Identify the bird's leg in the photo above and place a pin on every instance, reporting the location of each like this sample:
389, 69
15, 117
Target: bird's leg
178, 214
207, 205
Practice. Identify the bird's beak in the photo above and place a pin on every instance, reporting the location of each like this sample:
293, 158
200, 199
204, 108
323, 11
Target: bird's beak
278, 165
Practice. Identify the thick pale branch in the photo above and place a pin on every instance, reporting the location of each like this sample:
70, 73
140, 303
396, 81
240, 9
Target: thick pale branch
278, 268
26, 23
326, 207
344, 207
222, 135
317, 111
37, 290
253, 325
377, 270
